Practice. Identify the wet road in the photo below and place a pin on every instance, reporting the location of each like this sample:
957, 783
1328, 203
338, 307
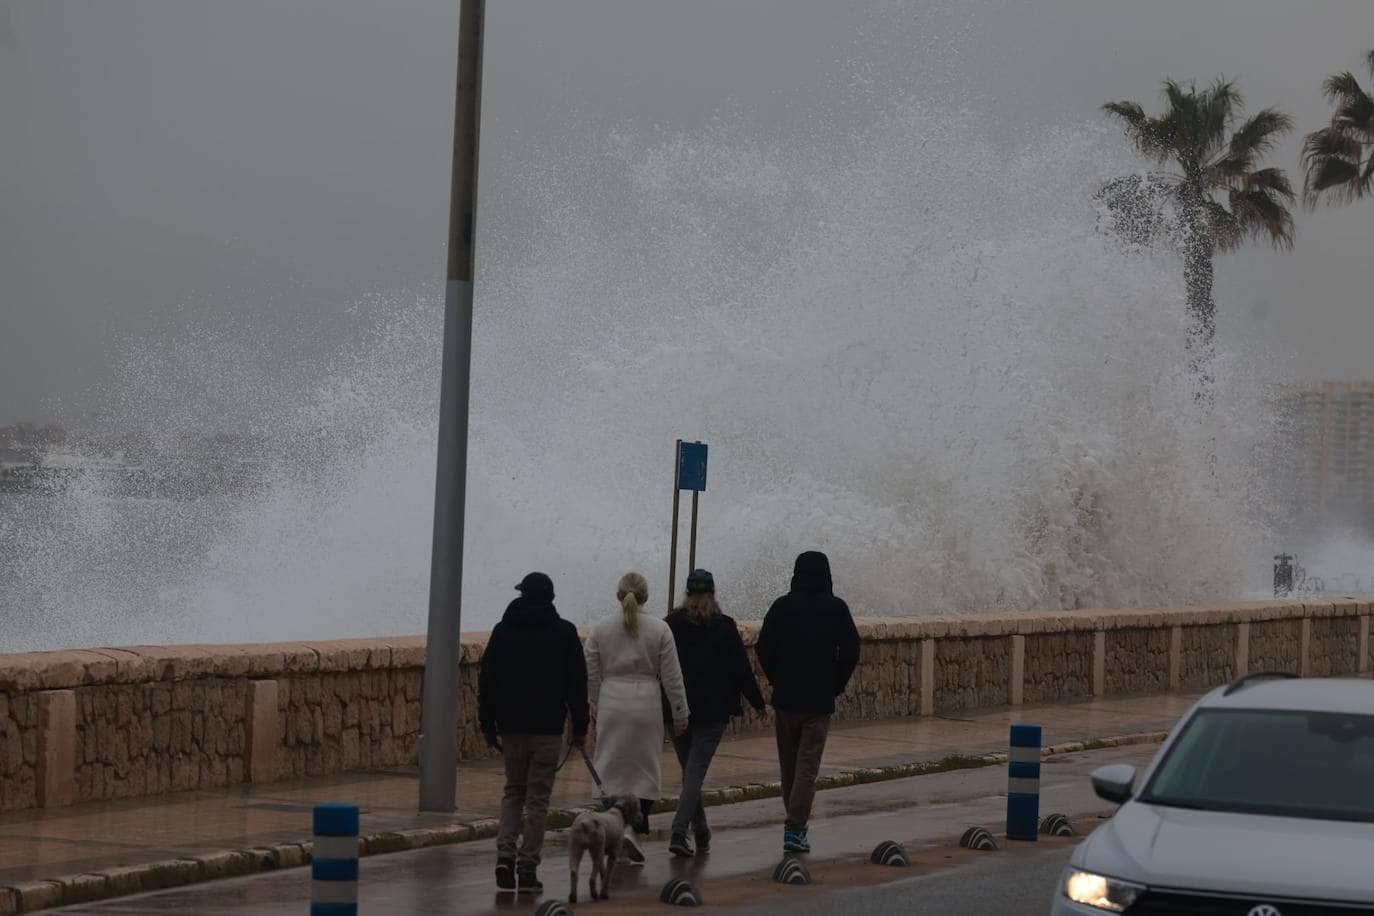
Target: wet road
847, 823
1008, 886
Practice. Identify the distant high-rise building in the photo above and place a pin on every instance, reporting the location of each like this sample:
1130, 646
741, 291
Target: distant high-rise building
1330, 427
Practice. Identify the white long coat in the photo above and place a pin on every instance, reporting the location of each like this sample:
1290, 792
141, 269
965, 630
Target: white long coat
623, 677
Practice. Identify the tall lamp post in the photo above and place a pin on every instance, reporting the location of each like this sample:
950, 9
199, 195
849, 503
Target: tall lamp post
439, 702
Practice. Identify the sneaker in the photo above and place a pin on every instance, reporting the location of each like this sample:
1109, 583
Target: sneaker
633, 851
805, 840
793, 842
703, 842
528, 881
505, 874
679, 846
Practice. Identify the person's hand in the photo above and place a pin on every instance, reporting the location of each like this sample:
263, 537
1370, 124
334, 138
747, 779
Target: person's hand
679, 729
492, 740
764, 715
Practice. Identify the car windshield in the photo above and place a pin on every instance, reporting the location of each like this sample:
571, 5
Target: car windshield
1289, 764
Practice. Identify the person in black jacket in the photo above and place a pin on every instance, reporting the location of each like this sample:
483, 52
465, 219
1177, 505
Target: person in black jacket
808, 648
533, 675
716, 670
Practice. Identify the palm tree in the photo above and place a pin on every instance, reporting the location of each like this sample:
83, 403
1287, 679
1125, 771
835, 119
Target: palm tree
1339, 158
1209, 194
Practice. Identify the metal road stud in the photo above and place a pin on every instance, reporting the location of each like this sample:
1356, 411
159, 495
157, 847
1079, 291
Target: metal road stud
889, 853
792, 871
334, 861
978, 838
1056, 825
1023, 783
680, 892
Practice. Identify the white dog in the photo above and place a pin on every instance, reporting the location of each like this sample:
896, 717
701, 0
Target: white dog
601, 834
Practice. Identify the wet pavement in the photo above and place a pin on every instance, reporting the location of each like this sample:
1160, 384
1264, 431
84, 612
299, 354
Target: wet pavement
95, 836
922, 811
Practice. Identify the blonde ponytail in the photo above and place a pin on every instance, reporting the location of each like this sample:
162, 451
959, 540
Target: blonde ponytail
634, 593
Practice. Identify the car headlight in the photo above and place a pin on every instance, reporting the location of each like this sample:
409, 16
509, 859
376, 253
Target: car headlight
1099, 891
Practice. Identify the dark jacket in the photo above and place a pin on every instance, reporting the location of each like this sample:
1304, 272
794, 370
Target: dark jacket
808, 646
715, 667
533, 674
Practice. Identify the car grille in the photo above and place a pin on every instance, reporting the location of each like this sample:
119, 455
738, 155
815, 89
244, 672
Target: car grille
1173, 903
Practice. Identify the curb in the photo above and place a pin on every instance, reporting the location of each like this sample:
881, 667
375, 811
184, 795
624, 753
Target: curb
29, 896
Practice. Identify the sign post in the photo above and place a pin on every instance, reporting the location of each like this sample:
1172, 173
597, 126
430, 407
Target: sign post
689, 474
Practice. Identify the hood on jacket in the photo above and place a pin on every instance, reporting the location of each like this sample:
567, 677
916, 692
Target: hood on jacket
536, 585
812, 573
528, 612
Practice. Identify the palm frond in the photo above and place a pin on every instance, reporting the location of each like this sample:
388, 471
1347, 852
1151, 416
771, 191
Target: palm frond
1275, 181
1223, 227
1250, 141
1262, 214
1259, 133
1217, 106
1355, 115
1141, 129
1338, 87
1332, 158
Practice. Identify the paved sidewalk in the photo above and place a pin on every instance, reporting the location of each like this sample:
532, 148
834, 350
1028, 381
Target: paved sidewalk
92, 837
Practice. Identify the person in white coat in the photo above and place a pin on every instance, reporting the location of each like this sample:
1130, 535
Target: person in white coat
629, 656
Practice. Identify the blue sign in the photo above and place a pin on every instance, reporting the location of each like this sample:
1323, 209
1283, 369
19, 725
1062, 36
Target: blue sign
691, 465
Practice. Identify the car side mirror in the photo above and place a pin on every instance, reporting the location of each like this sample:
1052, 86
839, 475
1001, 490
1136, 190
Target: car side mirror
1114, 783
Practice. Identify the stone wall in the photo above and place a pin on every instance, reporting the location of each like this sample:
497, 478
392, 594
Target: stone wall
1334, 646
122, 723
1059, 666
1276, 645
1137, 660
1208, 656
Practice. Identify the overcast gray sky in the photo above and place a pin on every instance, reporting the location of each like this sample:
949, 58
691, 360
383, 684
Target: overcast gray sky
163, 159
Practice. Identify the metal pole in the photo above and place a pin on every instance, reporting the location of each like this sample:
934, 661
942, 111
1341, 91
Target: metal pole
692, 550
439, 701
677, 502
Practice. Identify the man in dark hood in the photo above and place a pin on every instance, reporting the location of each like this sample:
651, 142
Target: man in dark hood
533, 676
808, 647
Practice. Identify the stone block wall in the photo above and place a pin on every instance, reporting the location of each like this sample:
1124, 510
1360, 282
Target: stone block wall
1137, 660
18, 751
144, 739
1334, 646
1208, 655
1276, 645
972, 673
122, 723
1059, 666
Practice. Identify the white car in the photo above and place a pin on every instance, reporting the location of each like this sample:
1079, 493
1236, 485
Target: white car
1260, 803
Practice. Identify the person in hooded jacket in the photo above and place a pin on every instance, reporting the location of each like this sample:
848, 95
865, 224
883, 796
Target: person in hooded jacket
808, 648
716, 670
533, 675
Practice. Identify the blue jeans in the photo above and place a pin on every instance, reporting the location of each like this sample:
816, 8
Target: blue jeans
695, 748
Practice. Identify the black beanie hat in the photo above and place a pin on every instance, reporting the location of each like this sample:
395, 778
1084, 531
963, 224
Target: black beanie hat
536, 586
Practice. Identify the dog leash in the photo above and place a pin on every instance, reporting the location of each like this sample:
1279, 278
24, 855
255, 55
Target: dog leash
596, 777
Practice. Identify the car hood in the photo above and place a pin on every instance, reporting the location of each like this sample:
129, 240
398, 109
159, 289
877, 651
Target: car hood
1235, 853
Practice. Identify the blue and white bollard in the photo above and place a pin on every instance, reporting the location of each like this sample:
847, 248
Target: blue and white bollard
1023, 783
334, 862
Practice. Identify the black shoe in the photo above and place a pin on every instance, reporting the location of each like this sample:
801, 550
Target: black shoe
505, 874
679, 847
703, 843
528, 881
